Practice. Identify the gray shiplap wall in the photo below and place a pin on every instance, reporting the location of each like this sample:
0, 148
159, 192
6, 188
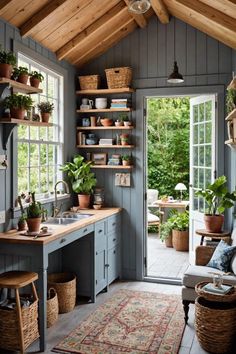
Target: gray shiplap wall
150, 52
8, 35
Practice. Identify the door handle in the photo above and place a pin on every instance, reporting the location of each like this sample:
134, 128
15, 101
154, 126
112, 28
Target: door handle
99, 231
85, 230
63, 240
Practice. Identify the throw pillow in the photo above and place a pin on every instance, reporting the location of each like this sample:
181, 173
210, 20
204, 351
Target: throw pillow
222, 256
233, 264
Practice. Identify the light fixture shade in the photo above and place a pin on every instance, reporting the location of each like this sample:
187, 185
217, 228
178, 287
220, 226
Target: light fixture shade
175, 77
139, 6
180, 187
232, 85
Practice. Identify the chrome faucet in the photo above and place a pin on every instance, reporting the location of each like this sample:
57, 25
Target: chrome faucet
56, 209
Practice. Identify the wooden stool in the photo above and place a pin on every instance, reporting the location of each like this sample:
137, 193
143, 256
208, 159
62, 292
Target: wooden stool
16, 280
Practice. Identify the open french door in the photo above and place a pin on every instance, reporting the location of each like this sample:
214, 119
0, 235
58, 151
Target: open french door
202, 160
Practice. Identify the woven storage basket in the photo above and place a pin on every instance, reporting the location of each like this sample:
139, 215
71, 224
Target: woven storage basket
9, 327
52, 307
89, 82
65, 286
215, 325
118, 77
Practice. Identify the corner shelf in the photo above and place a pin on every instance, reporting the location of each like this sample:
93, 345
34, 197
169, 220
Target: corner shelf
105, 91
119, 167
19, 87
105, 146
106, 128
92, 110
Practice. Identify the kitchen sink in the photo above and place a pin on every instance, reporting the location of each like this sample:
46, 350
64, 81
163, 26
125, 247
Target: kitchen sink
76, 216
67, 219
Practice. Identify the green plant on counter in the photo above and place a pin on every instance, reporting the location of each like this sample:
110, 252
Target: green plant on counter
230, 100
7, 57
18, 101
34, 209
45, 107
79, 172
37, 75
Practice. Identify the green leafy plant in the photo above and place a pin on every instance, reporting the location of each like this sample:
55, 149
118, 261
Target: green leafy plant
7, 57
22, 70
18, 101
165, 230
123, 117
176, 221
34, 210
45, 107
217, 196
37, 75
79, 172
126, 157
230, 100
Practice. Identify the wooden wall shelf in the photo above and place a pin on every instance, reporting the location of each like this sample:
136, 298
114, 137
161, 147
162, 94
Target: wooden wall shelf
92, 110
105, 91
105, 146
18, 87
24, 122
231, 115
106, 128
119, 167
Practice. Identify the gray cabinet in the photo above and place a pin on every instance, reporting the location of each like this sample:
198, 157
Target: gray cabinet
107, 252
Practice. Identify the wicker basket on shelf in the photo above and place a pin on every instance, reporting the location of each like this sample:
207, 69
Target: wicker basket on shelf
65, 286
119, 77
52, 307
89, 82
9, 327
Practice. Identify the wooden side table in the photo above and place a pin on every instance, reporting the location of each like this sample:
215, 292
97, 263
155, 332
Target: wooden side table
224, 235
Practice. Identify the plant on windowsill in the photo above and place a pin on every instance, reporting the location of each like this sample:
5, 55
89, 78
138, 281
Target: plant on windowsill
217, 198
45, 109
34, 214
18, 104
35, 78
21, 74
82, 179
7, 62
22, 225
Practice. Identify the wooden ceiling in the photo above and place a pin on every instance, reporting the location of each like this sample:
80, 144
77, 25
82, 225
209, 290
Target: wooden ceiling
81, 30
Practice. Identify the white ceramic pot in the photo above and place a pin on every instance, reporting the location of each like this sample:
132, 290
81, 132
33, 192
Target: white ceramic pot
101, 103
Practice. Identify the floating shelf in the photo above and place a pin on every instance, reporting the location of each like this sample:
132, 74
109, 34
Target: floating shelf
230, 142
105, 91
231, 115
19, 87
119, 167
106, 128
24, 122
106, 146
104, 110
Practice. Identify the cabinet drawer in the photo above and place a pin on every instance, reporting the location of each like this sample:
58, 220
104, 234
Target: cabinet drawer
113, 239
99, 228
113, 223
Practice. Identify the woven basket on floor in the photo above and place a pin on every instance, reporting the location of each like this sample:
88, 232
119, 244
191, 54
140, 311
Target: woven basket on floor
89, 82
52, 307
65, 286
9, 332
118, 77
215, 325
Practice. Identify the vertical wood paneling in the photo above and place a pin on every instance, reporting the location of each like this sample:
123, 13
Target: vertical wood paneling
152, 49
143, 53
161, 52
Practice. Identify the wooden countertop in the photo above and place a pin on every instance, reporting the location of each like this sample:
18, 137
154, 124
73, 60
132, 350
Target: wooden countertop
13, 236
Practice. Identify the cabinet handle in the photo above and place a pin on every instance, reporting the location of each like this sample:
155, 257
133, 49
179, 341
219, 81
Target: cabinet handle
114, 223
114, 251
114, 239
96, 253
85, 230
99, 231
63, 240
107, 265
96, 281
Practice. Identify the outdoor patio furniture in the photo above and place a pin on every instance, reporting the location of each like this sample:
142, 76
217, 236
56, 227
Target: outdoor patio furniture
152, 197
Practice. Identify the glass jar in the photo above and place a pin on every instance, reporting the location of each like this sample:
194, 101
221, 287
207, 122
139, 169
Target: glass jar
98, 196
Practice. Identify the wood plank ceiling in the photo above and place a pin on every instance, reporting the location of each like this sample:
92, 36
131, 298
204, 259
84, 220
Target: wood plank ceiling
81, 30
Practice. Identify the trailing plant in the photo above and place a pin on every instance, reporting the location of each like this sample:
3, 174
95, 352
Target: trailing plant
34, 210
230, 100
217, 196
37, 75
45, 107
79, 173
18, 101
22, 70
7, 57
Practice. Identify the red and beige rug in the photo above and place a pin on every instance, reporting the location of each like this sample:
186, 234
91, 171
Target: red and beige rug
130, 322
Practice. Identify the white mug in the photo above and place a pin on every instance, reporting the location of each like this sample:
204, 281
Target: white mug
87, 102
101, 103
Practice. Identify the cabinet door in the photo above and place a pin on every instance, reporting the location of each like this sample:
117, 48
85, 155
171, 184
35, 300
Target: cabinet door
114, 263
100, 256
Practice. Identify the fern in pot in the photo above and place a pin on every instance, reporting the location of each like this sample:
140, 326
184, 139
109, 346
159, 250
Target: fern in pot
82, 179
34, 215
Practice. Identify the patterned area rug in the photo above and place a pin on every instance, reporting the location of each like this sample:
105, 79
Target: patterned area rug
130, 322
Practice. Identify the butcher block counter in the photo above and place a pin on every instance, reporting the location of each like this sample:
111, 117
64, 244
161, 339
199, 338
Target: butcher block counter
90, 248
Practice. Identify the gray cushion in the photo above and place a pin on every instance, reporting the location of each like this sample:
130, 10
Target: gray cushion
196, 274
233, 264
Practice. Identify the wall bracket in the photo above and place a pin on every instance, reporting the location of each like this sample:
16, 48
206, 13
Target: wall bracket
7, 132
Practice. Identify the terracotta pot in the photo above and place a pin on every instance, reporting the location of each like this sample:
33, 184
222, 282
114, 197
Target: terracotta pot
23, 78
33, 224
6, 70
84, 201
45, 117
180, 240
213, 223
22, 226
125, 163
34, 82
168, 241
106, 122
18, 113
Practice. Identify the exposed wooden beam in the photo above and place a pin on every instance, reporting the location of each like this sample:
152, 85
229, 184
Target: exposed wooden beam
228, 7
160, 10
107, 43
205, 18
37, 18
139, 19
3, 4
103, 23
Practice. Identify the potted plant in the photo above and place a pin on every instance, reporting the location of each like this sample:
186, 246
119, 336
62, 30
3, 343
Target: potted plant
22, 220
34, 214
119, 122
124, 138
126, 160
180, 231
217, 198
18, 104
45, 109
7, 62
35, 78
125, 119
166, 233
21, 74
82, 179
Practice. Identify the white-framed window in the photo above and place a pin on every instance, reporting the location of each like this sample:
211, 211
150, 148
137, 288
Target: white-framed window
40, 149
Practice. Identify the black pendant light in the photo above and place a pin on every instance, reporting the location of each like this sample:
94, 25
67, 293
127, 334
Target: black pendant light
175, 77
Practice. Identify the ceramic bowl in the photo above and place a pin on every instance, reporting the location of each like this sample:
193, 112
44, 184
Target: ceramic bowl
106, 122
97, 206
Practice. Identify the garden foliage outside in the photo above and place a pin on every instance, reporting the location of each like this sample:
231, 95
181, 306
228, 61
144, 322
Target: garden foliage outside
168, 144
